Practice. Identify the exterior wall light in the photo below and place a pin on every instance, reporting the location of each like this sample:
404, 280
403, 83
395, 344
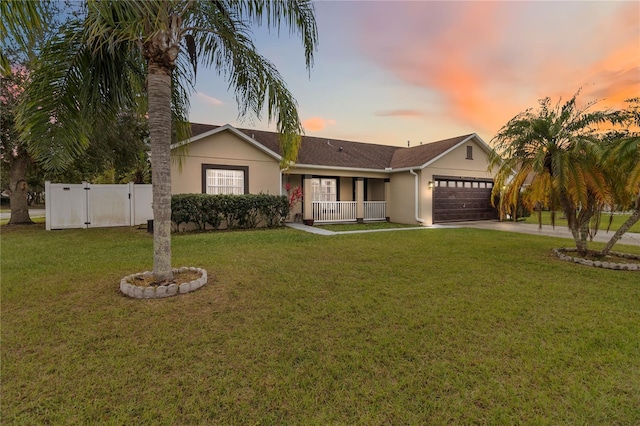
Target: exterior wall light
430, 185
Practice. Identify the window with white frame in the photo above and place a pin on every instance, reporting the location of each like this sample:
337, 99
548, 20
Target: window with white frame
224, 180
324, 189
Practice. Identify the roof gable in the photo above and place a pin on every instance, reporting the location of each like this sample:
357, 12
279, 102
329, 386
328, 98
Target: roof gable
315, 151
201, 131
421, 155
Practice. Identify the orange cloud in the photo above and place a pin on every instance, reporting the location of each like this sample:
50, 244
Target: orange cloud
316, 124
486, 62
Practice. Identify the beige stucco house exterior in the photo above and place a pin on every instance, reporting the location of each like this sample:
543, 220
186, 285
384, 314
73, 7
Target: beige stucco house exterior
342, 181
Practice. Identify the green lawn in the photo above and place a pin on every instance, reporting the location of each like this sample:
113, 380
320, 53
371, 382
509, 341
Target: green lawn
618, 220
438, 326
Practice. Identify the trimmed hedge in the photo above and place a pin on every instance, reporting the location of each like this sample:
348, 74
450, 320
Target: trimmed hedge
232, 211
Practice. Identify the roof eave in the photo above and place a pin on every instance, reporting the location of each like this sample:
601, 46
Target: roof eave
340, 168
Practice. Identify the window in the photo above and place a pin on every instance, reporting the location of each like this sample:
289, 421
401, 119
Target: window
224, 179
324, 189
469, 152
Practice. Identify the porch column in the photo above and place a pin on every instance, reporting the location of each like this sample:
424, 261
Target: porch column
360, 200
387, 197
307, 198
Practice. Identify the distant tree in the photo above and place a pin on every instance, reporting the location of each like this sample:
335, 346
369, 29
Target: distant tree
31, 25
556, 152
116, 153
13, 152
123, 53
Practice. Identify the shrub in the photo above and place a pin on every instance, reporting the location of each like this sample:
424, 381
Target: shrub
273, 211
237, 211
187, 208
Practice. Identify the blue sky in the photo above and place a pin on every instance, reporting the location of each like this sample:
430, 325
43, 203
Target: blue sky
396, 71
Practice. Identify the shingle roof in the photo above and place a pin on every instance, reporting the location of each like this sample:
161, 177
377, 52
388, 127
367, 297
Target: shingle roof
421, 154
348, 154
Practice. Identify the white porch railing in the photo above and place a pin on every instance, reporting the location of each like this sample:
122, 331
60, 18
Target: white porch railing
375, 210
345, 211
334, 211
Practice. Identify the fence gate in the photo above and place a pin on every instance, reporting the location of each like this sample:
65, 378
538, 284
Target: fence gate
96, 206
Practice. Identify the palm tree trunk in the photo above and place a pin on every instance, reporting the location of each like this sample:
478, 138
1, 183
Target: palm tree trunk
584, 235
572, 222
624, 228
18, 188
159, 92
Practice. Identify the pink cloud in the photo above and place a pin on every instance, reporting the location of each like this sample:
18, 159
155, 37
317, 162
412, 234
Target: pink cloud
411, 113
316, 124
208, 99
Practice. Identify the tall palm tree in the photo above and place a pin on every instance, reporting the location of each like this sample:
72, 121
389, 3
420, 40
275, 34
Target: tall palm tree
553, 153
146, 52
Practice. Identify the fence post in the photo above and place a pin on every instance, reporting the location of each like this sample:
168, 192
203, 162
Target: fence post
47, 205
132, 204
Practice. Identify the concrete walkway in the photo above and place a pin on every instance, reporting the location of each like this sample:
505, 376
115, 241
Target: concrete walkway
320, 231
629, 238
32, 213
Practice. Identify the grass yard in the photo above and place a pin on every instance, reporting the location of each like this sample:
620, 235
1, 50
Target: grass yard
618, 220
438, 326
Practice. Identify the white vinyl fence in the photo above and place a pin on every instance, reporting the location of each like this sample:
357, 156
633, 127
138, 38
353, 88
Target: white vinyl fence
85, 205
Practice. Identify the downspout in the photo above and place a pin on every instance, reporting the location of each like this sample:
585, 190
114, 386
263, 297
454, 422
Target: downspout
418, 219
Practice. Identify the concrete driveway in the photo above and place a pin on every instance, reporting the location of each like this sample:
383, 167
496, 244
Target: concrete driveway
494, 225
602, 236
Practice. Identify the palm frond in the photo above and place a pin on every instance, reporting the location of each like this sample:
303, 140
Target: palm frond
75, 85
298, 15
22, 21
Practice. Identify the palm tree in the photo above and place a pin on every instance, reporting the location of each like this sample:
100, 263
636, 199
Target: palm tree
553, 153
146, 53
622, 158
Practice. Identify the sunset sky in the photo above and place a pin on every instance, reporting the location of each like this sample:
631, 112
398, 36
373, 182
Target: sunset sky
395, 71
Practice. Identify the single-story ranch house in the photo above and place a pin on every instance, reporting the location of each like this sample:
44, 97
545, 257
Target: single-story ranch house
342, 181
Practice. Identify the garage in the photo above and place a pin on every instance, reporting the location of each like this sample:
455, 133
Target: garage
461, 199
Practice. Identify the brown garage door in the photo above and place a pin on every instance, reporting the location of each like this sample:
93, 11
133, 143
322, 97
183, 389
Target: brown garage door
459, 199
